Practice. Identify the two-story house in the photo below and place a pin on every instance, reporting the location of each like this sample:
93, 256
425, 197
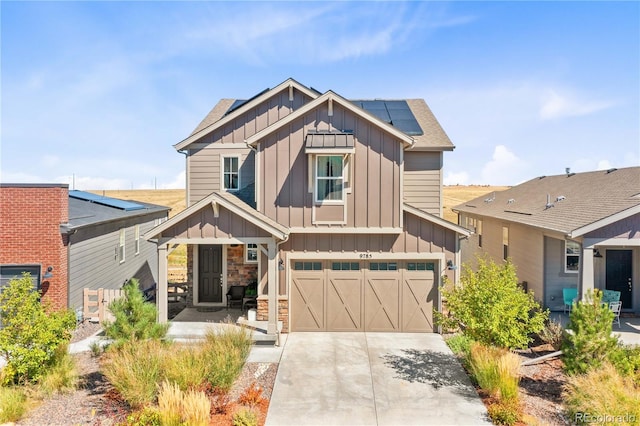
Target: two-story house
333, 205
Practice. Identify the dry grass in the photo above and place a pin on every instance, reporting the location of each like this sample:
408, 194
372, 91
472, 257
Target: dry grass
458, 194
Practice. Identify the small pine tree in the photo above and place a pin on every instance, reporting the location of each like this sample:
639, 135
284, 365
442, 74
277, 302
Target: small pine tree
590, 341
135, 319
30, 332
491, 308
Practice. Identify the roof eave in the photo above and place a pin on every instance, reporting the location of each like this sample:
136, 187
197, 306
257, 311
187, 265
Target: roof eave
578, 232
437, 220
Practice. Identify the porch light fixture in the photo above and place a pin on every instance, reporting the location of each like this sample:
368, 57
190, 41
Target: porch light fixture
49, 273
280, 265
451, 266
596, 253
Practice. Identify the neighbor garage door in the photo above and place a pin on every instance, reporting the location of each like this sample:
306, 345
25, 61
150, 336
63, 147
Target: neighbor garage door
389, 296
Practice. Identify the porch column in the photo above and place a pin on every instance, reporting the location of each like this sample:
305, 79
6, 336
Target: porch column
272, 277
586, 272
162, 301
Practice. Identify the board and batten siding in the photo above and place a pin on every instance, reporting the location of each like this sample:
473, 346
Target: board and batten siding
283, 189
423, 180
94, 262
205, 170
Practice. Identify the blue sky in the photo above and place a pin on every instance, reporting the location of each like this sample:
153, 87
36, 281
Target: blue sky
102, 90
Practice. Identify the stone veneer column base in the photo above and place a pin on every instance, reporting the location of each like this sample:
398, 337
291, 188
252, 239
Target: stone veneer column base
283, 311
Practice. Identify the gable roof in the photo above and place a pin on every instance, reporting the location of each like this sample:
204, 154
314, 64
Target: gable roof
570, 203
435, 219
218, 116
330, 96
231, 203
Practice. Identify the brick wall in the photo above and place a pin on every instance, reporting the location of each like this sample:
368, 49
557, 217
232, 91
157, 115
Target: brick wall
283, 312
30, 233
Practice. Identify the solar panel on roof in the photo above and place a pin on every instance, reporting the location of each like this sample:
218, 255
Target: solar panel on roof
397, 113
106, 201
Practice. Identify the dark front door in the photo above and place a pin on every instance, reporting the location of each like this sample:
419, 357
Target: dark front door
210, 274
619, 275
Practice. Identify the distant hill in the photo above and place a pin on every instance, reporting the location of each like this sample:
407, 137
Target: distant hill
175, 198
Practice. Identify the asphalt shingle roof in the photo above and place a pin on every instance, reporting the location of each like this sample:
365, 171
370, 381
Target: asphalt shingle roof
575, 200
85, 213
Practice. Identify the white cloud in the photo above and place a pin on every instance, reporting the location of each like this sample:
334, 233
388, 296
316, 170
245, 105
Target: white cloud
50, 160
456, 178
178, 183
505, 168
556, 105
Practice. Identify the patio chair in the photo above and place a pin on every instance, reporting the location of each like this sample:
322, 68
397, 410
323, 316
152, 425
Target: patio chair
569, 295
616, 307
235, 296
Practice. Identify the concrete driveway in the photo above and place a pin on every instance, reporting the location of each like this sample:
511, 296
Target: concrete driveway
372, 379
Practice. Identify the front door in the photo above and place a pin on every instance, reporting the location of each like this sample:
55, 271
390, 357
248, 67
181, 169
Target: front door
210, 274
619, 275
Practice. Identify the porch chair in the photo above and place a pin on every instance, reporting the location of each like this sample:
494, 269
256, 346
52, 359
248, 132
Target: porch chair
616, 307
235, 296
569, 295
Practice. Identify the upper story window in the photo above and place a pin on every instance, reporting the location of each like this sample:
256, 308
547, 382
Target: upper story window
231, 173
137, 239
571, 256
329, 178
251, 253
505, 242
121, 245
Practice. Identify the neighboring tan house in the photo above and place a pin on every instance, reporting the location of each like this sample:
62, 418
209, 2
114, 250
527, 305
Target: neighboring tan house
577, 230
334, 206
72, 240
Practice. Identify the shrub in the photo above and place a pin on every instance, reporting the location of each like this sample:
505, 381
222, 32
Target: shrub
186, 366
148, 416
505, 412
602, 392
491, 308
460, 344
245, 417
589, 342
225, 354
495, 370
626, 359
552, 334
30, 334
170, 404
62, 375
135, 319
251, 396
13, 404
134, 370
196, 408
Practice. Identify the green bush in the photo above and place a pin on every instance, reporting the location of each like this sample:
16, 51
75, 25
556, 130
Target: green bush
245, 417
148, 416
626, 359
225, 353
30, 333
491, 308
186, 366
13, 404
460, 344
62, 375
602, 393
134, 370
135, 319
589, 342
552, 334
495, 370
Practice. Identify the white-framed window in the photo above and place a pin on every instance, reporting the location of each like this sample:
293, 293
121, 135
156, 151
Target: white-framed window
329, 177
505, 242
231, 173
251, 253
137, 239
121, 245
571, 256
479, 232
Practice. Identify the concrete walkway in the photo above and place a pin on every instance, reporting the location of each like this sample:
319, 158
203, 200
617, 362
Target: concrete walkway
372, 379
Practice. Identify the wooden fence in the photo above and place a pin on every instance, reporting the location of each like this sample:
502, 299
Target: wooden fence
96, 303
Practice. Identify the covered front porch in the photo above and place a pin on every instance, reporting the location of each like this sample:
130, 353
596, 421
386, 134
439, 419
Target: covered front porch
214, 229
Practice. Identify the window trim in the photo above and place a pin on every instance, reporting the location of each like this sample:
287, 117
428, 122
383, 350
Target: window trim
479, 232
36, 278
246, 253
122, 244
505, 242
566, 255
223, 172
137, 239
317, 179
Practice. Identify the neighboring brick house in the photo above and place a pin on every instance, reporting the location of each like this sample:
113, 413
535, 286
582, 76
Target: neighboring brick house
574, 230
335, 203
71, 240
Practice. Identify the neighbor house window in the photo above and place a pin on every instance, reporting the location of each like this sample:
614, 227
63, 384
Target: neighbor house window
11, 272
231, 173
137, 240
505, 242
121, 252
329, 178
571, 256
251, 253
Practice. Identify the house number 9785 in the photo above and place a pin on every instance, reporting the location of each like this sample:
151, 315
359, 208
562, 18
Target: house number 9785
366, 255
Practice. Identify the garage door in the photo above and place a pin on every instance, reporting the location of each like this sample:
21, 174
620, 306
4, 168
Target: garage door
385, 296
